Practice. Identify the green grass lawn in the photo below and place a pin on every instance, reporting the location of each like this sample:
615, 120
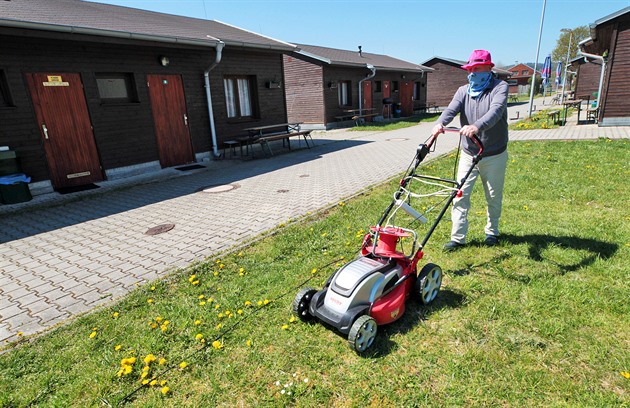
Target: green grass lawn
541, 320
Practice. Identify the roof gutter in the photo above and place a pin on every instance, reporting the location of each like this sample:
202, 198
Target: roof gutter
601, 76
370, 76
107, 33
206, 78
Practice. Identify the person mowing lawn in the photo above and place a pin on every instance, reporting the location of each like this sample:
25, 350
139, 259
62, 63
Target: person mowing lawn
482, 106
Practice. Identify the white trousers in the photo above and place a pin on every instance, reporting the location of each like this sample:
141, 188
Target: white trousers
492, 172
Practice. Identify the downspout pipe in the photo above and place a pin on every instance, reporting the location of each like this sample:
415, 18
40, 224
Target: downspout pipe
370, 76
601, 76
206, 77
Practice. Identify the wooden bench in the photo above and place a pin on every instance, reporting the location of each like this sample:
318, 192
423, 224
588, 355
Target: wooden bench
554, 115
285, 136
592, 114
360, 119
513, 97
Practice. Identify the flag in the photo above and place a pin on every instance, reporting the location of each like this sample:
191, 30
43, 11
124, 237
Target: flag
558, 74
545, 73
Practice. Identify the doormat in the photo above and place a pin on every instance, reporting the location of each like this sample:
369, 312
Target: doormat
191, 167
76, 189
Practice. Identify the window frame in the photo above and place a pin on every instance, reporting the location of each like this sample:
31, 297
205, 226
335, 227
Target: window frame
130, 87
344, 93
6, 97
235, 104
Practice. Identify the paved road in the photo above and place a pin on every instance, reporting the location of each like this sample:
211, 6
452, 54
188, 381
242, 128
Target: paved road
61, 256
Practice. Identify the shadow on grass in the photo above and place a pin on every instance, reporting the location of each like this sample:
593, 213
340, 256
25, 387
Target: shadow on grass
415, 313
537, 244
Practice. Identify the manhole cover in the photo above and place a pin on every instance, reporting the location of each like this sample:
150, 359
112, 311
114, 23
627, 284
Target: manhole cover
397, 139
283, 191
159, 229
222, 188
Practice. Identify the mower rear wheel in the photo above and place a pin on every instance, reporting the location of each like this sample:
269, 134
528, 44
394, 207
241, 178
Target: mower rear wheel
302, 302
429, 282
362, 333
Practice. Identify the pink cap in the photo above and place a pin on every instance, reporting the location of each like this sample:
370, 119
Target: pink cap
479, 57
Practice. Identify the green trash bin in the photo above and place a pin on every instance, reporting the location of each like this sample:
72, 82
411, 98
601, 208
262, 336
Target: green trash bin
14, 189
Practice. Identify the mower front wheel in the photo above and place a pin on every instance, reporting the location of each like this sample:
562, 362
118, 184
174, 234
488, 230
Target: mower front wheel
302, 302
362, 334
428, 283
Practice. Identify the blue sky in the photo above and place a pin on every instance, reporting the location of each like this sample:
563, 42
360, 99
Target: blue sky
411, 30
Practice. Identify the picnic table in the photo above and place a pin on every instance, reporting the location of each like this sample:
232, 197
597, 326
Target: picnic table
571, 103
358, 115
279, 131
512, 97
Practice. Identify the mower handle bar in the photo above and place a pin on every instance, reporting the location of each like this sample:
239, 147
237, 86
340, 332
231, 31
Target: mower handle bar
474, 138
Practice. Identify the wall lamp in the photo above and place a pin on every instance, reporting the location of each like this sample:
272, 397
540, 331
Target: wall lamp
164, 61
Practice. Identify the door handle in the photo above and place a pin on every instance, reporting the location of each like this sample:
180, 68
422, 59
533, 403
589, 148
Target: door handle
45, 129
185, 119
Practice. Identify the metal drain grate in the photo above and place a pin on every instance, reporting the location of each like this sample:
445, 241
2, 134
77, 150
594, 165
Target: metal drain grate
304, 175
159, 229
397, 139
216, 189
283, 191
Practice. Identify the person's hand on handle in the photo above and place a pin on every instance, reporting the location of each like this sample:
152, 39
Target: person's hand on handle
469, 130
437, 129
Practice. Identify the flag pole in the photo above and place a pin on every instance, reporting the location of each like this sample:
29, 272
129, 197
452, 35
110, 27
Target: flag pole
531, 94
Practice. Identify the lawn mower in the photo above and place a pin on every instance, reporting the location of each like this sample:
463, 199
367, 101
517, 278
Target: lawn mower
372, 289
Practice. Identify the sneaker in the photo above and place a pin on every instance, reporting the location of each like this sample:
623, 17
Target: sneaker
452, 246
491, 240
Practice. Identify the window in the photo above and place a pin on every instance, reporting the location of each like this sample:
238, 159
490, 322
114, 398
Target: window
344, 92
5, 96
524, 72
378, 86
116, 87
394, 86
417, 90
239, 96
512, 82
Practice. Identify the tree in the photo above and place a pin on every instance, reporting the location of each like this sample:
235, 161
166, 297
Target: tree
560, 52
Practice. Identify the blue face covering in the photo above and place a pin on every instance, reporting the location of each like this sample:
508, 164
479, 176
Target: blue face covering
478, 82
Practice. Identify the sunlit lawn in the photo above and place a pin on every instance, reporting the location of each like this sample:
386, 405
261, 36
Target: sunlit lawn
541, 320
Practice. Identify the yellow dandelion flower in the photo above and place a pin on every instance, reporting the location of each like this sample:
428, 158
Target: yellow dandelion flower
93, 334
145, 382
199, 336
324, 234
219, 325
165, 390
20, 334
221, 266
146, 368
117, 347
202, 303
149, 300
197, 322
625, 374
115, 314
164, 327
163, 383
267, 301
127, 369
285, 326
314, 270
239, 311
128, 361
240, 254
260, 303
526, 208
216, 273
248, 303
248, 343
217, 306
192, 278
144, 374
292, 319
183, 365
162, 361
201, 297
241, 270
153, 383
149, 359
195, 282
217, 344
158, 319
152, 287
220, 316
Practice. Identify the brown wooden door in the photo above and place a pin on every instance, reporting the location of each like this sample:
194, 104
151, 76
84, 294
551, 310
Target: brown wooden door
387, 90
65, 127
406, 98
367, 99
171, 119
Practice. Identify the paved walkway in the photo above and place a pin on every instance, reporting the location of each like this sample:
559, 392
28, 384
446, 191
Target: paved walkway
61, 256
